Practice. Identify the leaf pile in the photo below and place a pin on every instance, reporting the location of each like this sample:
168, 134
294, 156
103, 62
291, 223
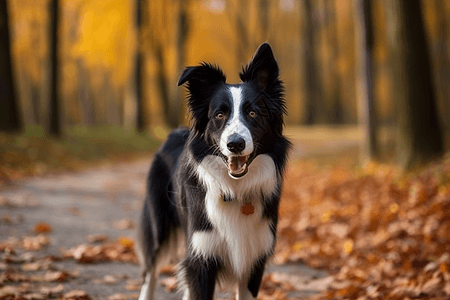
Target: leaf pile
381, 235
32, 276
121, 250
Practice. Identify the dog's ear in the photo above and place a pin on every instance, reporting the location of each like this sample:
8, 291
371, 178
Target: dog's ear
202, 81
201, 78
263, 68
263, 71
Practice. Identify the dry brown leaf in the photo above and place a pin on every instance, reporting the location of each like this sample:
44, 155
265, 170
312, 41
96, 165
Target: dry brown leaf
170, 283
34, 243
42, 227
58, 276
119, 296
124, 224
9, 291
52, 290
110, 279
76, 295
97, 238
167, 270
34, 296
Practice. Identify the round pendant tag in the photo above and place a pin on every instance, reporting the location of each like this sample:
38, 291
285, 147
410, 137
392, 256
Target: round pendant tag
247, 209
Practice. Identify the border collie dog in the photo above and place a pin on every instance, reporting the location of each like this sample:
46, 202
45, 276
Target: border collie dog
216, 186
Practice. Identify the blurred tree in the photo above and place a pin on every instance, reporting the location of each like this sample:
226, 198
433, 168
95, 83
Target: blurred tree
365, 42
55, 118
168, 20
9, 112
243, 40
264, 18
313, 99
183, 24
420, 136
336, 115
34, 87
141, 23
442, 59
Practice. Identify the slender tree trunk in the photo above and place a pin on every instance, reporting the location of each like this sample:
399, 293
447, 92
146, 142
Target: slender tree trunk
264, 19
243, 40
162, 79
142, 122
336, 115
365, 42
9, 112
420, 136
174, 113
313, 101
55, 109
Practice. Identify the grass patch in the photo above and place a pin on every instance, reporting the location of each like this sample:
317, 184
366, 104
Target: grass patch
33, 152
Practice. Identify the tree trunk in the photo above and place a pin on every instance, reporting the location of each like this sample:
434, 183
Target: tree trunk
313, 101
365, 42
142, 122
420, 137
442, 62
174, 113
55, 109
243, 38
9, 112
336, 115
264, 19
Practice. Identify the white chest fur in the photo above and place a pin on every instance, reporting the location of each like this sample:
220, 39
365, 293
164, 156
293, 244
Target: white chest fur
238, 239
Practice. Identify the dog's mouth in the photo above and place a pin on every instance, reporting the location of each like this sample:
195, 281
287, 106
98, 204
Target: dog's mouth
237, 165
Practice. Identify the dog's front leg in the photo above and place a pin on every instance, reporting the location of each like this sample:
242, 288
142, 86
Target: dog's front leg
248, 288
199, 275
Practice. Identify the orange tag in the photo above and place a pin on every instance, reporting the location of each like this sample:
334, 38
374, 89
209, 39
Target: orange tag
247, 209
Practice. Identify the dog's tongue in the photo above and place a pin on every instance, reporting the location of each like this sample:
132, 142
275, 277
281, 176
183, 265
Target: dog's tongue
237, 163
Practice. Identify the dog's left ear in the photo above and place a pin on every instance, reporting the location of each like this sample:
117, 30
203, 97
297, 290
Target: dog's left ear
263, 68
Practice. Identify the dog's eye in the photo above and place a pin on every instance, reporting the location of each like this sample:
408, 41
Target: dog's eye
252, 114
220, 116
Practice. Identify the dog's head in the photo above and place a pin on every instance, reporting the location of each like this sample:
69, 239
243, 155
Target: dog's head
238, 121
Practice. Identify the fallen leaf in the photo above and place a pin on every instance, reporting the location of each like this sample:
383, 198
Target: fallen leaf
58, 276
42, 227
52, 290
76, 295
97, 238
35, 296
170, 283
167, 270
124, 224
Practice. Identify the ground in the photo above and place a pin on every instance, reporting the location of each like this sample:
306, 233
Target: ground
346, 230
74, 231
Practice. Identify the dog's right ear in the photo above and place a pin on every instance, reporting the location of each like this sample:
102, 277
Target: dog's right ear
201, 81
201, 78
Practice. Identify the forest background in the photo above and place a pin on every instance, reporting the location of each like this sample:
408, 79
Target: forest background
315, 43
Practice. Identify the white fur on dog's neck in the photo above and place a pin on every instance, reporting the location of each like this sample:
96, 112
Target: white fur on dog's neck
238, 239
261, 178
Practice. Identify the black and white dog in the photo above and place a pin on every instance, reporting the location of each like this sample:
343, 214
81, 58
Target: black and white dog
216, 186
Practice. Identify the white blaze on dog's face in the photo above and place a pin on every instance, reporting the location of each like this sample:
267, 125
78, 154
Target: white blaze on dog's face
236, 142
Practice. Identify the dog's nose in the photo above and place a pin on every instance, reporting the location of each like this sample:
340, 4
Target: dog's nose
236, 143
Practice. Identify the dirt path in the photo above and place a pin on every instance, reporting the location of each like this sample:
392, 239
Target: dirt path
102, 201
